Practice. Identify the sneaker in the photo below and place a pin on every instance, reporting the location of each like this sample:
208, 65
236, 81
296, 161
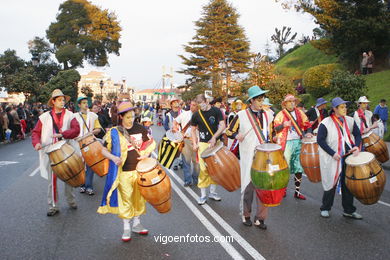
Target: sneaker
299, 196
90, 192
140, 229
126, 237
214, 196
246, 221
260, 224
82, 189
202, 201
175, 168
52, 211
73, 205
325, 214
353, 215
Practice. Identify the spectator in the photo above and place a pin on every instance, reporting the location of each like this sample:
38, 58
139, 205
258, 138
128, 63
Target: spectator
383, 112
370, 62
364, 63
380, 130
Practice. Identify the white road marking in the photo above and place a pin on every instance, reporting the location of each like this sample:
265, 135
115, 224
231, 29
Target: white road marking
380, 202
237, 237
4, 163
210, 227
34, 172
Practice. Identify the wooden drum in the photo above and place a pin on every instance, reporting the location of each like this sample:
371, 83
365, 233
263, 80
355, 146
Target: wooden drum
66, 163
310, 159
270, 174
365, 177
374, 144
91, 149
154, 184
222, 166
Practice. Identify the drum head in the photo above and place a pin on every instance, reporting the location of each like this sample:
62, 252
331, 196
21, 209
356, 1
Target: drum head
212, 151
83, 137
311, 140
367, 134
360, 159
55, 146
146, 165
176, 137
268, 147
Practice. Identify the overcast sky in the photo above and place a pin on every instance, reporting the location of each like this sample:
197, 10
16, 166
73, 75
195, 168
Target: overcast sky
153, 31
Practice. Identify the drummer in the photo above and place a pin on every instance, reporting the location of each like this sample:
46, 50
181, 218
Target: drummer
125, 146
90, 122
238, 129
317, 113
47, 132
337, 136
210, 123
290, 125
237, 106
363, 116
168, 122
183, 122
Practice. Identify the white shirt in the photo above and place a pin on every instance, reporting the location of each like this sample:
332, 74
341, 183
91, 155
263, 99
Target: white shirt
292, 133
183, 119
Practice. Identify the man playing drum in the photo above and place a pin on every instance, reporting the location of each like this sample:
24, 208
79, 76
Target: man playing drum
52, 126
183, 121
245, 128
363, 117
317, 114
125, 146
290, 125
90, 122
338, 135
210, 123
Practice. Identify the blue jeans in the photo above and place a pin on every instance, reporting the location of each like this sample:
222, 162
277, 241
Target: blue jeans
189, 177
88, 178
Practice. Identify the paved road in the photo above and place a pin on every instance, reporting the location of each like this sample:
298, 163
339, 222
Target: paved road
295, 229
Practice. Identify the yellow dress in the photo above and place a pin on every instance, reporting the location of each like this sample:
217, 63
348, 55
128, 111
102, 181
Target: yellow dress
130, 202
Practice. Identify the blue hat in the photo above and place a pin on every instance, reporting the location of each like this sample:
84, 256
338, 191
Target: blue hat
81, 98
266, 102
255, 91
338, 101
321, 101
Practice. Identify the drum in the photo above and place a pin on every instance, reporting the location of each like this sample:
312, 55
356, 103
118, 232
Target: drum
310, 159
170, 148
91, 149
365, 177
222, 166
270, 174
66, 163
154, 184
374, 144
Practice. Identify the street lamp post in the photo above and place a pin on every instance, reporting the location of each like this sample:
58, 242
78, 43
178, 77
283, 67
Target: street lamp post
101, 88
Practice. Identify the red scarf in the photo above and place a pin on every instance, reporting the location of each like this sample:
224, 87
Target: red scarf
59, 122
363, 120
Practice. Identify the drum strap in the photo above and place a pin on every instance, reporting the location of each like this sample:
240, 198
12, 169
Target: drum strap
205, 122
294, 122
186, 127
256, 127
81, 115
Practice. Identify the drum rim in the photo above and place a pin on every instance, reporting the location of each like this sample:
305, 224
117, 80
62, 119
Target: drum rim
51, 149
309, 142
216, 148
78, 139
257, 148
360, 163
149, 168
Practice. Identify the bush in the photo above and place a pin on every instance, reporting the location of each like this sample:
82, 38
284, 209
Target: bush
278, 88
348, 86
317, 79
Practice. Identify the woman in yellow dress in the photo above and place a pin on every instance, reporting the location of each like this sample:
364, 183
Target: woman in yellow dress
125, 145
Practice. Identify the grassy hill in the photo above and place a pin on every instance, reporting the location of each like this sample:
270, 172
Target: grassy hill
297, 62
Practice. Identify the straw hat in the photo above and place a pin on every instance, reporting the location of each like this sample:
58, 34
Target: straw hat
124, 107
363, 99
290, 97
57, 93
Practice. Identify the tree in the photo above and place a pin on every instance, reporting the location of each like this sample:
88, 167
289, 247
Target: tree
218, 40
83, 31
351, 27
267, 49
66, 81
196, 88
10, 64
40, 49
262, 71
281, 38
